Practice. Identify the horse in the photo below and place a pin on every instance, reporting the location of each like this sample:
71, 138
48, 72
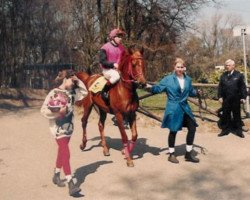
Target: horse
123, 101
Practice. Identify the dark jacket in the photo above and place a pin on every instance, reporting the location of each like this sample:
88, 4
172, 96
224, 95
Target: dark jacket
232, 86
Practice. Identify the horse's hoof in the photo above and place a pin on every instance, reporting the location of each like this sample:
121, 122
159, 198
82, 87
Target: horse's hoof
130, 163
105, 153
245, 129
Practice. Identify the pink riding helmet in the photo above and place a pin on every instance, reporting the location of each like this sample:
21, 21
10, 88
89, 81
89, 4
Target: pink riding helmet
116, 32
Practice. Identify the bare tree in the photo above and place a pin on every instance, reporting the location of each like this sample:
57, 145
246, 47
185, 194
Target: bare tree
72, 31
211, 44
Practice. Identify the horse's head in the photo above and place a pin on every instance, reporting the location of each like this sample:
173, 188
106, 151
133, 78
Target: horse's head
133, 68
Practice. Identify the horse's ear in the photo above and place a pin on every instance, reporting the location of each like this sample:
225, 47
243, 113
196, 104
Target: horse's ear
142, 50
130, 50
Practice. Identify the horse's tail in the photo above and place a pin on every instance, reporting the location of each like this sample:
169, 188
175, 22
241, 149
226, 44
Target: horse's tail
83, 76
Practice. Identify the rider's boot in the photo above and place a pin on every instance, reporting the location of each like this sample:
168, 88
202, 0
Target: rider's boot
104, 92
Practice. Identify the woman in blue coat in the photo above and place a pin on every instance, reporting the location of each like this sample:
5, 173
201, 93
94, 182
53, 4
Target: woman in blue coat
178, 114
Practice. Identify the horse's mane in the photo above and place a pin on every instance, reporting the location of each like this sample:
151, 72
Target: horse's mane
125, 59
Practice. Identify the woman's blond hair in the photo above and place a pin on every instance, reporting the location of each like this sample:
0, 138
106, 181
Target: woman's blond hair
179, 60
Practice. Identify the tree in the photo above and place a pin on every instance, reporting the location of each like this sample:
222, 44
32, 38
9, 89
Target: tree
211, 44
65, 31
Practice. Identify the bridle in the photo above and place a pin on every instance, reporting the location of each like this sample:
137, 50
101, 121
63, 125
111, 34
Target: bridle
132, 76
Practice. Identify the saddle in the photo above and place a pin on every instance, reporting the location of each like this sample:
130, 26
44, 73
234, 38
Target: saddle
98, 85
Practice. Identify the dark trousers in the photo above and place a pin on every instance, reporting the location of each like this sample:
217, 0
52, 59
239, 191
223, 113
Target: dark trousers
189, 123
231, 116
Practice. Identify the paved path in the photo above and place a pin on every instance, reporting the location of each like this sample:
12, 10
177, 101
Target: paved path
27, 154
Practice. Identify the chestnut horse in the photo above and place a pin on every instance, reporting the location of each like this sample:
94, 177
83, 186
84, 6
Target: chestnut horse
123, 101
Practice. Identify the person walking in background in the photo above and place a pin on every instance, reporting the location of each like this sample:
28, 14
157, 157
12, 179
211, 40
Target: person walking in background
58, 108
110, 56
178, 114
231, 93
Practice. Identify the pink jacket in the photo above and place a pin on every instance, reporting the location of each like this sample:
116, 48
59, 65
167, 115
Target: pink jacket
113, 53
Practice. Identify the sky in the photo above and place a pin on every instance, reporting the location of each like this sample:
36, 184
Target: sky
237, 7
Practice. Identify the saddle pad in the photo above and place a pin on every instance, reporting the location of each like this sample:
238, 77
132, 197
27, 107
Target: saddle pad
98, 85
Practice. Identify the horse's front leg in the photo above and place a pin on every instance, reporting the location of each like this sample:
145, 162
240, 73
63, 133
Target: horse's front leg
124, 136
87, 110
101, 123
132, 124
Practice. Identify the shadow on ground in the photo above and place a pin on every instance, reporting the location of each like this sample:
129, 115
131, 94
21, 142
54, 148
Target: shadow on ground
213, 182
82, 172
140, 149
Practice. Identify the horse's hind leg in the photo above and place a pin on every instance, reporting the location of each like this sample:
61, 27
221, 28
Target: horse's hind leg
87, 106
101, 122
119, 118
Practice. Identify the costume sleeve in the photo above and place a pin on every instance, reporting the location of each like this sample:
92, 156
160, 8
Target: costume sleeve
103, 60
81, 91
46, 112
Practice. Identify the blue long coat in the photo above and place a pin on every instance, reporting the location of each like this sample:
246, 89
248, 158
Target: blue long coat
177, 104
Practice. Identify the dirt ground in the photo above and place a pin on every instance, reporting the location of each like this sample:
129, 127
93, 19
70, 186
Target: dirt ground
28, 151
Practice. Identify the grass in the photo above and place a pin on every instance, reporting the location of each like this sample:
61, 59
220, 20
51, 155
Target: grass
157, 103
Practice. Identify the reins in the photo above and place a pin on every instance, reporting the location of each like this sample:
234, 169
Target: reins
130, 71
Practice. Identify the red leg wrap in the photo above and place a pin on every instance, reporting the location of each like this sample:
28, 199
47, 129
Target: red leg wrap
126, 150
131, 146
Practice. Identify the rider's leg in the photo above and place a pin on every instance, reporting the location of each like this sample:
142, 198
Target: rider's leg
112, 76
106, 89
